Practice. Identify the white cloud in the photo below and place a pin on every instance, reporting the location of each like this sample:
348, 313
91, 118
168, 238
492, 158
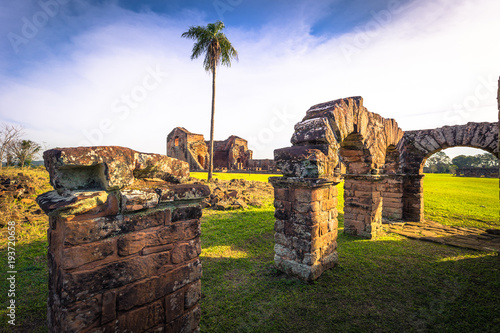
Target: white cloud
425, 60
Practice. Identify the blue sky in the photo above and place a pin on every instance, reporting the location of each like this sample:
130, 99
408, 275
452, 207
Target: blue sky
76, 72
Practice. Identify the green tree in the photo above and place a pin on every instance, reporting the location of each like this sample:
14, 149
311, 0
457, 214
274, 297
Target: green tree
214, 45
485, 160
438, 163
24, 151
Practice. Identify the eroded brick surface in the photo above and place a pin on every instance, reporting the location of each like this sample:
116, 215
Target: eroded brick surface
122, 257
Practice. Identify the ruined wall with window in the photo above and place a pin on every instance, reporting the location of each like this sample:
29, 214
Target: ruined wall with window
229, 154
188, 147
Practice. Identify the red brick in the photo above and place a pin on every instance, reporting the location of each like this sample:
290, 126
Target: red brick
113, 275
87, 231
141, 319
148, 290
108, 307
79, 315
80, 255
174, 305
192, 294
186, 251
187, 323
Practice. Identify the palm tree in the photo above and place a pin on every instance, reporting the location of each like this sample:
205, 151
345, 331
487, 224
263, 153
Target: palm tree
217, 49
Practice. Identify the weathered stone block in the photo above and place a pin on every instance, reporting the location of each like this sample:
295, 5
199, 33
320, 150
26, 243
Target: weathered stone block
134, 200
80, 255
189, 322
79, 315
186, 251
301, 161
186, 213
79, 285
108, 168
174, 305
150, 289
192, 295
141, 319
108, 307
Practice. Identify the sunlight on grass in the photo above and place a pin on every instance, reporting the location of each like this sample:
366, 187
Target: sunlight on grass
223, 251
461, 201
468, 256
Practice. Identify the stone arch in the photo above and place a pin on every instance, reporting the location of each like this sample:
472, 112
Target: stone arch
306, 195
417, 146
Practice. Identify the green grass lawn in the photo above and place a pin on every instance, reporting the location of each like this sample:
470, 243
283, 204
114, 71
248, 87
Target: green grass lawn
391, 284
462, 201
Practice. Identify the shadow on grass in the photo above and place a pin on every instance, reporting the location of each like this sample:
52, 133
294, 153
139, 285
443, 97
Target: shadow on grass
388, 285
31, 289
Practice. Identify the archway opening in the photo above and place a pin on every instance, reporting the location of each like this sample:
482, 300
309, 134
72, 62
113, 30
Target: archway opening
460, 188
354, 155
362, 190
201, 160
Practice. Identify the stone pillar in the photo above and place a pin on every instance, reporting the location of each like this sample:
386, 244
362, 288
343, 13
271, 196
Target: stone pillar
392, 195
362, 205
413, 198
306, 226
123, 254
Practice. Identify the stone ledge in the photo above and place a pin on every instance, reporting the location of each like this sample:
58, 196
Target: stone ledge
108, 168
103, 203
285, 182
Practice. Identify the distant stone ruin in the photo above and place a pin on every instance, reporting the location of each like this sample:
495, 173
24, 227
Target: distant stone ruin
229, 155
477, 172
383, 178
124, 242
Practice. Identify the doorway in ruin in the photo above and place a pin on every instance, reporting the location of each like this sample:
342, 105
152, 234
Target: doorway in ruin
451, 199
201, 160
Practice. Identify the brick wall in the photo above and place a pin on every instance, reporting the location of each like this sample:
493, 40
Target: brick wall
124, 259
306, 226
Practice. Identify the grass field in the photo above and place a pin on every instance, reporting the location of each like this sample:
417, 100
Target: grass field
462, 201
391, 284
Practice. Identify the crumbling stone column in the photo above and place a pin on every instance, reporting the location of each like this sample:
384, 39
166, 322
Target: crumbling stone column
392, 195
123, 252
362, 205
413, 198
306, 226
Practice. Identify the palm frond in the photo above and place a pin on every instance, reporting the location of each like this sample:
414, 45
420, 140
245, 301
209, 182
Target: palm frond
213, 43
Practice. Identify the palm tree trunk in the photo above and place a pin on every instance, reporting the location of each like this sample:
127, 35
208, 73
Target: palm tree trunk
211, 163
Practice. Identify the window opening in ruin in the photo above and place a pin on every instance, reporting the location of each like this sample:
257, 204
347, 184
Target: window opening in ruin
176, 141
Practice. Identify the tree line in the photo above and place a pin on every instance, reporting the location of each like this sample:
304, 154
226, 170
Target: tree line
13, 149
441, 163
